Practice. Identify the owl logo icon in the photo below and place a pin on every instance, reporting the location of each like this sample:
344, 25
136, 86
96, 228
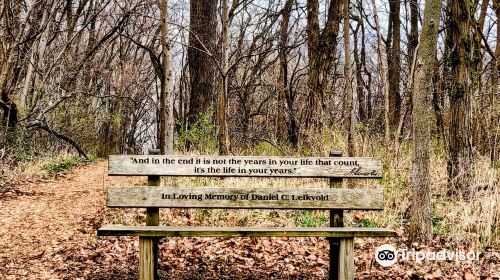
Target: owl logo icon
386, 255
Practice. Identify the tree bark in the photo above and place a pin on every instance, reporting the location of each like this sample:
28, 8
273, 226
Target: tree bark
460, 44
321, 51
222, 136
202, 40
394, 64
383, 77
359, 77
349, 114
282, 134
413, 36
166, 141
477, 59
495, 76
420, 229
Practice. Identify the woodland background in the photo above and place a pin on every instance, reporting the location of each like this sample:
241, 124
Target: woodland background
413, 82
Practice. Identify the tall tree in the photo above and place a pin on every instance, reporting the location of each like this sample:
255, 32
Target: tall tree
359, 75
420, 218
349, 113
496, 61
321, 51
166, 141
477, 58
383, 69
202, 46
11, 55
394, 62
286, 117
413, 36
495, 76
222, 135
459, 44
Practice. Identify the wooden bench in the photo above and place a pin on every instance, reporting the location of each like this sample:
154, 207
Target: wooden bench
334, 199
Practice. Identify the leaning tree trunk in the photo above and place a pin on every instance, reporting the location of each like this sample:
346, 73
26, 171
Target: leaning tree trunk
420, 220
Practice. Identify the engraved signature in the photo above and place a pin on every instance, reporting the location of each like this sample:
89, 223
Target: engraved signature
358, 172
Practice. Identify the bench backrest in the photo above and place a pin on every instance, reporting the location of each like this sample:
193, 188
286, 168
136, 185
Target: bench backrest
245, 197
245, 166
248, 197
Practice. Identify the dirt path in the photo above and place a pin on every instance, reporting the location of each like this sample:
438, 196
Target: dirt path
46, 218
48, 231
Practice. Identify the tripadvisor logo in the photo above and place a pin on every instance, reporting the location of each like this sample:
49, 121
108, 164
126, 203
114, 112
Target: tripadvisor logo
387, 255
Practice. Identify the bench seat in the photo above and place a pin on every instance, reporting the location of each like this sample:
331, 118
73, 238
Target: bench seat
163, 231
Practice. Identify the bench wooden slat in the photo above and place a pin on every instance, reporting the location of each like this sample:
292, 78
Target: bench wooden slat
245, 166
162, 231
245, 198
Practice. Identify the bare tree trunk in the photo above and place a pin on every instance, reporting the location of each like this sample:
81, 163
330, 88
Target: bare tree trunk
413, 36
383, 70
202, 39
359, 77
438, 103
350, 114
222, 136
420, 220
460, 45
369, 111
477, 59
10, 53
42, 46
321, 51
394, 64
495, 76
496, 62
313, 36
281, 134
166, 142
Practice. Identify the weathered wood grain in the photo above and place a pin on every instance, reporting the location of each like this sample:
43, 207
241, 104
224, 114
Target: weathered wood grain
346, 259
246, 197
161, 231
243, 166
147, 259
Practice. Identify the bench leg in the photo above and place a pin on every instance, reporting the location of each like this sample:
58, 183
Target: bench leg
346, 259
334, 258
147, 258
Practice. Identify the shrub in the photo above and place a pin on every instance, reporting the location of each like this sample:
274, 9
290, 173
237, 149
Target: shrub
200, 136
60, 165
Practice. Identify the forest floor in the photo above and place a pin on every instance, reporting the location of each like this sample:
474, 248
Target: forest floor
48, 231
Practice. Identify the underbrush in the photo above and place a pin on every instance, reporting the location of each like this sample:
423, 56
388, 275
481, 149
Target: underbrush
473, 222
61, 164
26, 171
